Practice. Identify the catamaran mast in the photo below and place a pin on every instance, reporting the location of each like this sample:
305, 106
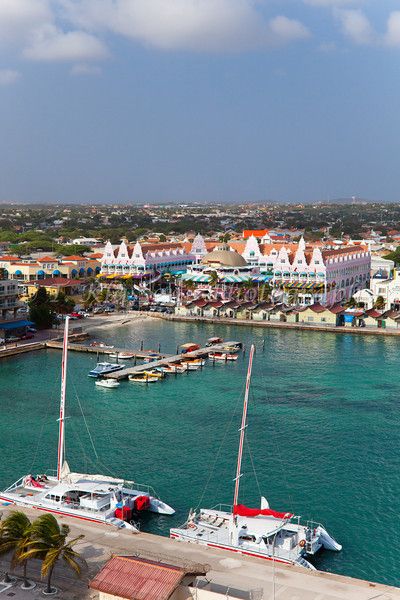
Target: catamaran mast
243, 427
61, 433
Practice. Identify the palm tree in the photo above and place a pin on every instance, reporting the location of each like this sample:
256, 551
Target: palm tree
293, 296
264, 293
49, 544
15, 536
213, 279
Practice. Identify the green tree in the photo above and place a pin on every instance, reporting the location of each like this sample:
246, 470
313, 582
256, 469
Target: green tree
351, 303
213, 279
49, 544
62, 304
40, 309
380, 303
264, 293
15, 537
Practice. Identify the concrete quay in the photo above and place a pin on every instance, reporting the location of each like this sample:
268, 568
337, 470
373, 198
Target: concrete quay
241, 575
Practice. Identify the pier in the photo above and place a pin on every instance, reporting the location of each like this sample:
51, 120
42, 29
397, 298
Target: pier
166, 359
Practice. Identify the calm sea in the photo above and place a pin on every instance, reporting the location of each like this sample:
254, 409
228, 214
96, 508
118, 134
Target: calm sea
324, 431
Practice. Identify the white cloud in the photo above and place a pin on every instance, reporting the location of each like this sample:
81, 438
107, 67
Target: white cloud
20, 18
52, 44
85, 69
330, 3
356, 26
392, 37
9, 77
200, 25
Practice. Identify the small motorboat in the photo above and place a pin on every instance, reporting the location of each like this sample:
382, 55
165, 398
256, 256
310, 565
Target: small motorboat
193, 364
101, 345
222, 356
143, 378
174, 368
214, 341
155, 373
109, 384
122, 355
104, 368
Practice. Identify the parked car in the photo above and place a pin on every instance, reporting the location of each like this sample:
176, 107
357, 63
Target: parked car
75, 315
31, 329
12, 338
98, 310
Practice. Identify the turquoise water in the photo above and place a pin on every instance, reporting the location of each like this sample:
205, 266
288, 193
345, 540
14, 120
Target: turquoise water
323, 431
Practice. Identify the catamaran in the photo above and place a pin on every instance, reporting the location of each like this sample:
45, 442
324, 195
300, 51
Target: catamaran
263, 532
96, 498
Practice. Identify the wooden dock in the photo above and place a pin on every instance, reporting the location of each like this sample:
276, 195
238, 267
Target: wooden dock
138, 354
167, 360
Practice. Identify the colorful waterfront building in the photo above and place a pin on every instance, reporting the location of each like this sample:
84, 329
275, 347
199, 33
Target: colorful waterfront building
145, 260
68, 267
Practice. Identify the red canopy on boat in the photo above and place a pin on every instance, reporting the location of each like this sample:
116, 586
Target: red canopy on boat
243, 511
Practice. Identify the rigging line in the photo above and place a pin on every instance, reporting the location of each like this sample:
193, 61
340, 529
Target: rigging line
278, 450
49, 402
219, 451
84, 420
253, 465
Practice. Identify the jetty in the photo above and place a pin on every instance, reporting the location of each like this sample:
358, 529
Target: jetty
163, 362
107, 350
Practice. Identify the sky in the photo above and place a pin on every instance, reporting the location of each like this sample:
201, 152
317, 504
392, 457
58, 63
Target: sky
199, 100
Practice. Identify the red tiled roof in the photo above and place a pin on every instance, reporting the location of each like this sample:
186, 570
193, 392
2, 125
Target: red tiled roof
372, 312
341, 251
137, 579
258, 233
336, 309
47, 259
10, 258
73, 258
95, 255
317, 308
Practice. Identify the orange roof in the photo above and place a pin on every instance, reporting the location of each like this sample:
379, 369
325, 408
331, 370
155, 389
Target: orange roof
95, 255
74, 258
258, 233
47, 259
342, 251
137, 579
10, 258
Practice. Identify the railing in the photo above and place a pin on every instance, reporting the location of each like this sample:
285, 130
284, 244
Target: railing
223, 507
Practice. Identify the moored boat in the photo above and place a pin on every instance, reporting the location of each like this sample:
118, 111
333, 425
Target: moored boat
142, 378
263, 532
103, 368
222, 356
122, 355
93, 498
109, 384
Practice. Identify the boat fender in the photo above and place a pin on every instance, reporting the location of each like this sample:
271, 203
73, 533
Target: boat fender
302, 543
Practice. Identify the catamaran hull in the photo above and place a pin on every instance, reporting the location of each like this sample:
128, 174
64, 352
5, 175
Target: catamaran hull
66, 513
327, 541
303, 562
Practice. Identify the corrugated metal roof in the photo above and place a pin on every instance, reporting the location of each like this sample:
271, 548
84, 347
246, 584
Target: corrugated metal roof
137, 579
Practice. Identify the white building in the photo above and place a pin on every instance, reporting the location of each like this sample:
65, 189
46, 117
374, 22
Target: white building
145, 260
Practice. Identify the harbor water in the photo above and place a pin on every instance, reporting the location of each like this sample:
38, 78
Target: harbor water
323, 434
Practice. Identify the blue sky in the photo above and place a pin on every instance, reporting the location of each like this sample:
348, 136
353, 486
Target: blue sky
199, 100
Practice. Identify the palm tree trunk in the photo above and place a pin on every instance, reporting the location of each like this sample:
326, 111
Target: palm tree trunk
26, 582
49, 589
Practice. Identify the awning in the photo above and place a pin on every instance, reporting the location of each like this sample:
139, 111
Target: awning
262, 278
15, 325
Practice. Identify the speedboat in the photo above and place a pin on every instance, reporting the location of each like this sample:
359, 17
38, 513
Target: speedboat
92, 498
260, 532
222, 356
107, 383
101, 345
103, 368
213, 341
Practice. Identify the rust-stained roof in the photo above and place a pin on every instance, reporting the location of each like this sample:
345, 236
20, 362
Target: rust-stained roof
137, 579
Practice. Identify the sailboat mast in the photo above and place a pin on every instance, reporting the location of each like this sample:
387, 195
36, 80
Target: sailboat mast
61, 431
243, 428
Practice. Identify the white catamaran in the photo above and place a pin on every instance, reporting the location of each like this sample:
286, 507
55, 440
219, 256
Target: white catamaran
263, 532
96, 498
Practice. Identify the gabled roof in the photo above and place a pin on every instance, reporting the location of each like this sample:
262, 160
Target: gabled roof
337, 308
317, 308
372, 312
74, 258
47, 259
137, 579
